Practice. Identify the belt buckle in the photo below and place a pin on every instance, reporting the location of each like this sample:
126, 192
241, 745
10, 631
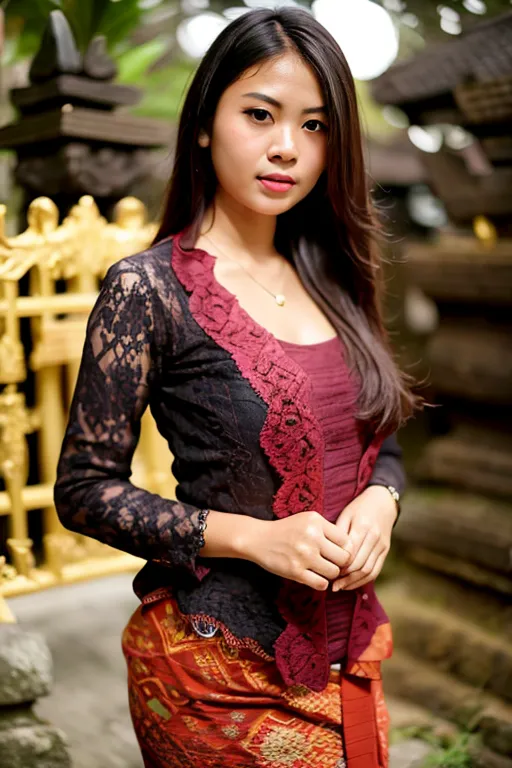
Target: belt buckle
204, 628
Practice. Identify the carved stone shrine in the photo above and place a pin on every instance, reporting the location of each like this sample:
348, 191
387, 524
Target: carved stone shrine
73, 135
451, 600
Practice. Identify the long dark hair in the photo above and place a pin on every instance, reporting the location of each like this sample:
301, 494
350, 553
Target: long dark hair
332, 235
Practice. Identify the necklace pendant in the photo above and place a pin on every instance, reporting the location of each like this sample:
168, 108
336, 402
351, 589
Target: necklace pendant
280, 300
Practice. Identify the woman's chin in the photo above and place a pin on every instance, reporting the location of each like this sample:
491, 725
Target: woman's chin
269, 207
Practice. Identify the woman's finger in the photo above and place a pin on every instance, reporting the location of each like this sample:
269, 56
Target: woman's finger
372, 576
357, 538
335, 554
362, 566
325, 568
343, 523
313, 580
335, 535
369, 543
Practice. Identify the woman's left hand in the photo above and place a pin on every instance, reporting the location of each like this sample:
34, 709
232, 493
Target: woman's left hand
368, 520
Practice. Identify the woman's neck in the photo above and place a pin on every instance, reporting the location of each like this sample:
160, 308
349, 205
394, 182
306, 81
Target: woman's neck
239, 229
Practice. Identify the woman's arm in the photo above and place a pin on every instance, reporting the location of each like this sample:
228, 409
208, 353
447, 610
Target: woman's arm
389, 469
93, 494
371, 516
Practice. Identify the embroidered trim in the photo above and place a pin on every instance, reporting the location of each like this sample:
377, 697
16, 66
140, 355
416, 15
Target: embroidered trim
202, 619
291, 438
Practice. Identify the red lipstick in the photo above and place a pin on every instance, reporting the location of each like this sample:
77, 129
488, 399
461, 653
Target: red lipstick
277, 182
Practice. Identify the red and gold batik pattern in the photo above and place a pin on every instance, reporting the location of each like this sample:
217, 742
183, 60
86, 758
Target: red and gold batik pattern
200, 703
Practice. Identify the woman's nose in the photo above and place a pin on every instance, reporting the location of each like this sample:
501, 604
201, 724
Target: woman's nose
284, 146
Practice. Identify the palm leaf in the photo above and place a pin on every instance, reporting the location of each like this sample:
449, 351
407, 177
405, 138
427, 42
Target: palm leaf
119, 20
135, 62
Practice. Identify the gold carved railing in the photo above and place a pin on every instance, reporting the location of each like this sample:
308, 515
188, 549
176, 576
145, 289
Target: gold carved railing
41, 262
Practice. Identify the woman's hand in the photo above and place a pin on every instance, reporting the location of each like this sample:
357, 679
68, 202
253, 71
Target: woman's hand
368, 520
303, 547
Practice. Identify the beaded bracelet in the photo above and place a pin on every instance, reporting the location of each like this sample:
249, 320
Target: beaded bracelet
203, 514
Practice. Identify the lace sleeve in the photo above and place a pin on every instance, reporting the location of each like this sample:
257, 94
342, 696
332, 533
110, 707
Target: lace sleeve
389, 469
93, 495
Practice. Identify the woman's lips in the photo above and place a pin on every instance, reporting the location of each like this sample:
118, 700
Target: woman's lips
276, 185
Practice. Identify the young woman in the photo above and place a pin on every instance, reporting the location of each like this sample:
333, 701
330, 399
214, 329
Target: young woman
253, 330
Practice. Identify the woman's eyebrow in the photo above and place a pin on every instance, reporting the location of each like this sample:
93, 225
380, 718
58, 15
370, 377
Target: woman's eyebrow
275, 103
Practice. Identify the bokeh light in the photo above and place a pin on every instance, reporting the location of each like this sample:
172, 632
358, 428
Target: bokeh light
364, 31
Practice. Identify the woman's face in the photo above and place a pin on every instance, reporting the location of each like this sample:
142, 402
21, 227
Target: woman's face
269, 136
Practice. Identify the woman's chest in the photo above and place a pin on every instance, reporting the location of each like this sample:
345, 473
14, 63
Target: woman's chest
283, 307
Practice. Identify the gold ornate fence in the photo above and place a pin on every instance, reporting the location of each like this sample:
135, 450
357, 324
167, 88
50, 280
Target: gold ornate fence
49, 279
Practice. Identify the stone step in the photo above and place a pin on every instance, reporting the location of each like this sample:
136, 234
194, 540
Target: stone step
486, 758
476, 458
446, 697
453, 645
409, 754
459, 525
459, 269
488, 610
414, 731
464, 571
472, 360
413, 721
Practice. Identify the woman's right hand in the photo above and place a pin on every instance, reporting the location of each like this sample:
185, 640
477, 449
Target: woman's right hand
303, 547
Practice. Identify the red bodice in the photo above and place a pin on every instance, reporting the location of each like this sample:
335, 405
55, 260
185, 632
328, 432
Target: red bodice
333, 399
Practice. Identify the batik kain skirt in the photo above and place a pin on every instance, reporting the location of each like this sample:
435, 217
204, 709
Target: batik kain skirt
197, 702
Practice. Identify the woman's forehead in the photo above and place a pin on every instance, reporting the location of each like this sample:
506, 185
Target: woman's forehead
286, 78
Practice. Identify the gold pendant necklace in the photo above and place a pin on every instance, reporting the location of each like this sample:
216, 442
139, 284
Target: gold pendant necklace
279, 298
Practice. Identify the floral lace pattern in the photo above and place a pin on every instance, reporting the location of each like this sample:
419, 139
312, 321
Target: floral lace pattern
234, 409
93, 495
291, 438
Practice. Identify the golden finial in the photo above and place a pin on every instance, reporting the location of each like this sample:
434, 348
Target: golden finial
42, 216
130, 213
485, 231
3, 212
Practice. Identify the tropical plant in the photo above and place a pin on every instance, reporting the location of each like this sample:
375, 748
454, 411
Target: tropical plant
25, 20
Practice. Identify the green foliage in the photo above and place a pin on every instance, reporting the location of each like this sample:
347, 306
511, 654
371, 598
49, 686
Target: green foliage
450, 751
164, 90
118, 20
135, 62
26, 19
457, 755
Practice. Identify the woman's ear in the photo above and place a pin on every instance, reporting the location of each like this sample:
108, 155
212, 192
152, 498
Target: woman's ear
204, 140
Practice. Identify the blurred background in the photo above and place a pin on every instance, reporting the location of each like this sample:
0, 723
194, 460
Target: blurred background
90, 94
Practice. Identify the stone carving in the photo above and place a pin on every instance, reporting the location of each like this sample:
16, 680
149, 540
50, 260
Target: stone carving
25, 675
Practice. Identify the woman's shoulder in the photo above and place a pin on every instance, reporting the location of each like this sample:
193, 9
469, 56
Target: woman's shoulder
148, 272
153, 265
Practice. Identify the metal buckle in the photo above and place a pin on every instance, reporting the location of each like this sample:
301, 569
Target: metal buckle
204, 628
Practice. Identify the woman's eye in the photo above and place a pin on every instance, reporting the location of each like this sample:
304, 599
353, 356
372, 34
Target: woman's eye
315, 125
260, 115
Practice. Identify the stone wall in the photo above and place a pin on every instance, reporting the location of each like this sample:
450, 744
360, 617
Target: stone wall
450, 601
26, 741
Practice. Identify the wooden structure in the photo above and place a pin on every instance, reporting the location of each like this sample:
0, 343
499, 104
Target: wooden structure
73, 256
452, 603
71, 137
467, 83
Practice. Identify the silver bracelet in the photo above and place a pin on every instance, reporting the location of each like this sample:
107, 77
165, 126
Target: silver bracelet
203, 514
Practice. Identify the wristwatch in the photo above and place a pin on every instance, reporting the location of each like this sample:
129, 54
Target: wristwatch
396, 496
